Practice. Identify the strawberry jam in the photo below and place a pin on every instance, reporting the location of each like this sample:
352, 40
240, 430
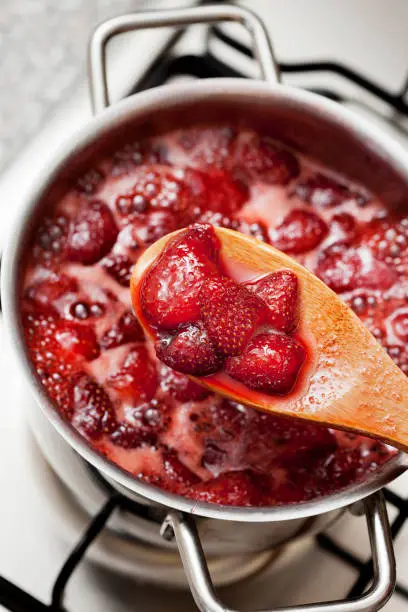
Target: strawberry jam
141, 410
207, 323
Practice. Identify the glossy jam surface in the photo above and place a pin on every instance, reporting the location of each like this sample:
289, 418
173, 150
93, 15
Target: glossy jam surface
90, 352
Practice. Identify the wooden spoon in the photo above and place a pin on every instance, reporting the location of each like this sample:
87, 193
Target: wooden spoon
349, 381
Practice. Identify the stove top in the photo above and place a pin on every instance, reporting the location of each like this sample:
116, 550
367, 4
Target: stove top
53, 553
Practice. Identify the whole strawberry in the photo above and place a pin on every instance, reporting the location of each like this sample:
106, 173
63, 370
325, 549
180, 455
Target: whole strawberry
270, 363
230, 313
279, 291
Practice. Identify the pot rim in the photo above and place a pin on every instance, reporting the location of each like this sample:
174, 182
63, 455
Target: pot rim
168, 96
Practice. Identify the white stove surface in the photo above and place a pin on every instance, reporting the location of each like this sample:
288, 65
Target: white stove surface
37, 531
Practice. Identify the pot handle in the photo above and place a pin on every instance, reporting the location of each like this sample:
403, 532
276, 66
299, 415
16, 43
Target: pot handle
175, 17
183, 528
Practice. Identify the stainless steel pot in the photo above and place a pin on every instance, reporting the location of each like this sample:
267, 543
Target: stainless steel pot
303, 121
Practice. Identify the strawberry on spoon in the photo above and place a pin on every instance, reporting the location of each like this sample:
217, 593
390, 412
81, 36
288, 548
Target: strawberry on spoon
282, 342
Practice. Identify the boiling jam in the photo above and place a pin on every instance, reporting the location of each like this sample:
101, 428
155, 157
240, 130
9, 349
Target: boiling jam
103, 376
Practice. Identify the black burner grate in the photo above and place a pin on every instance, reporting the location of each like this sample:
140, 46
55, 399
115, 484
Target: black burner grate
167, 66
365, 568
395, 101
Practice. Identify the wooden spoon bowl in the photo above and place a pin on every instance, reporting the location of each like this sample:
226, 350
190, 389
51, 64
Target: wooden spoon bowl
349, 382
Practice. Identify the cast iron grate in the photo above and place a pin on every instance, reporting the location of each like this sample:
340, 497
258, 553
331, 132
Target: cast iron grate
166, 67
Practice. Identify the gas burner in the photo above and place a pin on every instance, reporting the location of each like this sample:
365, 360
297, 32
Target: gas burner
130, 543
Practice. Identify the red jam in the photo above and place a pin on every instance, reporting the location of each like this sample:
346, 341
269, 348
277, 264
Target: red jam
205, 322
90, 353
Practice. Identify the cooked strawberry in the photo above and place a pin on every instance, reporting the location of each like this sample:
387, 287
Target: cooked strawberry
128, 437
190, 351
223, 423
344, 228
339, 266
145, 422
40, 335
399, 322
345, 268
170, 289
77, 339
388, 238
137, 379
59, 388
230, 488
44, 293
231, 313
375, 274
271, 364
156, 187
273, 440
288, 492
344, 467
46, 354
90, 182
92, 234
176, 476
218, 219
228, 420
180, 386
208, 146
217, 191
94, 413
256, 229
300, 231
279, 291
341, 468
260, 158
155, 415
323, 191
146, 229
127, 329
118, 267
137, 153
50, 239
54, 340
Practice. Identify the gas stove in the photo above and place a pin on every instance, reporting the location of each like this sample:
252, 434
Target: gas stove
76, 545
